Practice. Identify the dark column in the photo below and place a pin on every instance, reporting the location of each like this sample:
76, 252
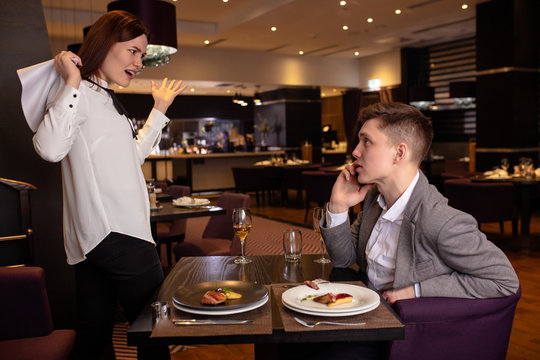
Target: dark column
507, 81
24, 42
295, 116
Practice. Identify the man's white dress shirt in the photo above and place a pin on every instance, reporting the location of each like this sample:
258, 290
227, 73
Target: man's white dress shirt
104, 189
381, 249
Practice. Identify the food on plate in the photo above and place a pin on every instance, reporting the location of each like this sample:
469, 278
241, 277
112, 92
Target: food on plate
341, 299
231, 295
332, 300
213, 298
312, 284
219, 296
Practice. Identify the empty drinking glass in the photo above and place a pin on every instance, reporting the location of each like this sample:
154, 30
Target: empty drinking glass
292, 245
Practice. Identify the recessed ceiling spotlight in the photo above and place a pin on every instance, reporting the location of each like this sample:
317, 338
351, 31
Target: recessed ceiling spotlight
342, 3
301, 52
345, 27
334, 90
464, 6
192, 89
225, 1
273, 28
323, 94
369, 20
206, 42
397, 11
228, 91
356, 53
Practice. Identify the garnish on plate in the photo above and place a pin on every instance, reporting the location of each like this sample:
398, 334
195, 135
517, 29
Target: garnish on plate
334, 299
219, 296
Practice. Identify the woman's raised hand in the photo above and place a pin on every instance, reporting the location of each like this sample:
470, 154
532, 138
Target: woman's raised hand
66, 64
165, 94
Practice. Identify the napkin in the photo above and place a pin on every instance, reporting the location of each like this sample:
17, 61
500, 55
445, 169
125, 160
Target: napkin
38, 81
496, 174
189, 201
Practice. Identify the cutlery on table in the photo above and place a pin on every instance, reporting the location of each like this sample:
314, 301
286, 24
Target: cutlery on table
326, 322
210, 322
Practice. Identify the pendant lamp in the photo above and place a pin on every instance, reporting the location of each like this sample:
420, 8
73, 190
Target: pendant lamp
160, 19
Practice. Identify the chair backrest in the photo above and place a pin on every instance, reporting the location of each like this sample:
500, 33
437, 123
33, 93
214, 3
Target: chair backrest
250, 178
178, 226
220, 226
452, 328
161, 184
486, 202
292, 175
177, 191
24, 305
318, 185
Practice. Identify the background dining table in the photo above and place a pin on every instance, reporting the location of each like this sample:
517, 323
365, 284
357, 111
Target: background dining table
273, 323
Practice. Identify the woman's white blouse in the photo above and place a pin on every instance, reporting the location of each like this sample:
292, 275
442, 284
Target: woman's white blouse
104, 189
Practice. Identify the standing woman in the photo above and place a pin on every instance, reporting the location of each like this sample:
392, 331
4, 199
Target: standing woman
107, 233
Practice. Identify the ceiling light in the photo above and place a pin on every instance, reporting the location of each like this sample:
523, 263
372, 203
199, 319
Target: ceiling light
356, 53
345, 27
273, 28
301, 52
159, 17
323, 94
192, 89
397, 11
225, 1
369, 20
206, 42
342, 3
464, 6
257, 99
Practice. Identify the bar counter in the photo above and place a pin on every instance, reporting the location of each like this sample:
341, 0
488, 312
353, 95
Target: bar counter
203, 172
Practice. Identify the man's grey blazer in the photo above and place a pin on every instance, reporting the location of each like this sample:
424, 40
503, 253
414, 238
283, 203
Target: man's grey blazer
439, 247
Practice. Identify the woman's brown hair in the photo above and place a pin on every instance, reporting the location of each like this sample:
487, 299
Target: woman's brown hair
115, 26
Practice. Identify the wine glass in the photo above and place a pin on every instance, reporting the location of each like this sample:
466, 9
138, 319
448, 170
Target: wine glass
241, 219
505, 164
318, 214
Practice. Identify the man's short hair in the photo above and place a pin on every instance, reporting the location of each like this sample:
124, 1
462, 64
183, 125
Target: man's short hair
402, 123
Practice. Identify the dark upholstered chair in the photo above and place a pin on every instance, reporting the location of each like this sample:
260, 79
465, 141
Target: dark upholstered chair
452, 328
161, 184
173, 231
486, 202
26, 328
250, 178
218, 237
292, 179
318, 185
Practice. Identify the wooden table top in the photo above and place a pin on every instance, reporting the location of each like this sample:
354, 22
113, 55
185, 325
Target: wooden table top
169, 212
273, 271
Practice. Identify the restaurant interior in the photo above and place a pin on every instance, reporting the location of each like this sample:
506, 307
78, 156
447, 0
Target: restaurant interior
271, 110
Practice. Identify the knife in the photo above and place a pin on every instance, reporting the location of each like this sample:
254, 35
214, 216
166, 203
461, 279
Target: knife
210, 322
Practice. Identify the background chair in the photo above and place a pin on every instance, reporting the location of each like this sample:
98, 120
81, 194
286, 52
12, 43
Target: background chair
218, 237
318, 185
16, 241
452, 328
486, 202
173, 231
292, 179
251, 178
26, 328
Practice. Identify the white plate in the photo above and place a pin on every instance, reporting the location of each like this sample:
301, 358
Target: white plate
363, 298
246, 308
316, 313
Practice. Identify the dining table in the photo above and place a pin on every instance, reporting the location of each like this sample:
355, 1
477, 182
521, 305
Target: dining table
272, 322
526, 191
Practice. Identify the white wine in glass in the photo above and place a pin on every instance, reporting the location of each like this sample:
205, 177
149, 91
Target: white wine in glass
241, 219
318, 214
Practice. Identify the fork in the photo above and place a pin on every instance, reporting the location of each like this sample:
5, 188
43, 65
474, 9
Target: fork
310, 325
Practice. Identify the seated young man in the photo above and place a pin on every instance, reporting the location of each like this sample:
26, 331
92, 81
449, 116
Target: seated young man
407, 239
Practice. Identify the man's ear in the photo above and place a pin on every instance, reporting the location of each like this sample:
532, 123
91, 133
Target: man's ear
401, 152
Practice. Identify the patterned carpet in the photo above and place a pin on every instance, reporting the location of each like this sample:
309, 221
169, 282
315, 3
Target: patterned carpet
265, 238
